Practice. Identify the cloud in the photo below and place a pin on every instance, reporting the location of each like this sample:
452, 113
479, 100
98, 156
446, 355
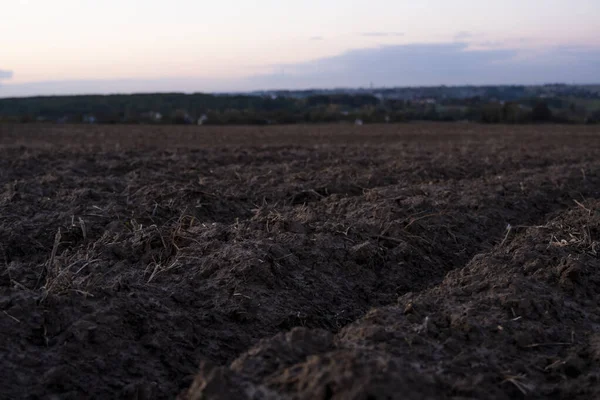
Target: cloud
462, 36
393, 65
5, 74
490, 43
437, 64
381, 34
317, 38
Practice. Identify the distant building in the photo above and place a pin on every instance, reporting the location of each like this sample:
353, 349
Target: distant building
152, 116
203, 118
89, 119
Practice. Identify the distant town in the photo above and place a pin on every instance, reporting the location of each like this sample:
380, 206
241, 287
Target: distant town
560, 103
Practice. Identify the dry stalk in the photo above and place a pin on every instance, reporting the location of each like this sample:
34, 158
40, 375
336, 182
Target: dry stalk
555, 364
82, 292
508, 230
49, 267
389, 239
11, 317
82, 226
158, 268
415, 219
582, 206
520, 383
65, 277
534, 345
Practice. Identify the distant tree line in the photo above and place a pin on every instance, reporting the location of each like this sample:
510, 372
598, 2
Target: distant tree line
209, 109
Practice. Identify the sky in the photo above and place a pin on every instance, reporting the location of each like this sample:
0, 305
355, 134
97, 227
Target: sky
123, 46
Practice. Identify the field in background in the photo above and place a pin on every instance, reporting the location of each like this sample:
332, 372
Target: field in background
453, 260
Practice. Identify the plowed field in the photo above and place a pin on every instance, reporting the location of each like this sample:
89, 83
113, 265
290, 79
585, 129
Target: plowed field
415, 261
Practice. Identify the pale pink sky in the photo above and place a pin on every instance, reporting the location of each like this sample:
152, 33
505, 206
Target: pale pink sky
73, 40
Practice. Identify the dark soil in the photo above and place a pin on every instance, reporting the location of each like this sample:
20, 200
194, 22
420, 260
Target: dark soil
333, 262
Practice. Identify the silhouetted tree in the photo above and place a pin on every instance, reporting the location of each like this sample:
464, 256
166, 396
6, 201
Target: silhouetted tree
541, 112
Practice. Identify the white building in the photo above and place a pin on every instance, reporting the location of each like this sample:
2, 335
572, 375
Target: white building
203, 118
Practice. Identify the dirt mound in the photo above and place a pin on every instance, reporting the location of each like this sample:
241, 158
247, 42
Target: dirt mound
519, 321
124, 269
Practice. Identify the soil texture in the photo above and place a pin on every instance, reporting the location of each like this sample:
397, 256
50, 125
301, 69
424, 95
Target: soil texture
416, 261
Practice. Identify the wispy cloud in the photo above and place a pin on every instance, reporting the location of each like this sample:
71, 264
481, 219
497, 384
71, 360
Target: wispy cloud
4, 74
462, 36
381, 34
491, 44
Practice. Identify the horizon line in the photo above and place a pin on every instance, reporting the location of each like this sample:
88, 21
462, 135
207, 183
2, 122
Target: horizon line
310, 89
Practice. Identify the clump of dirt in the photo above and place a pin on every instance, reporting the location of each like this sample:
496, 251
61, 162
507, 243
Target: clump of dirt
297, 268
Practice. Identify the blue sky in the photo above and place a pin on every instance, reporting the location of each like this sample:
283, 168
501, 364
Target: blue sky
109, 46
